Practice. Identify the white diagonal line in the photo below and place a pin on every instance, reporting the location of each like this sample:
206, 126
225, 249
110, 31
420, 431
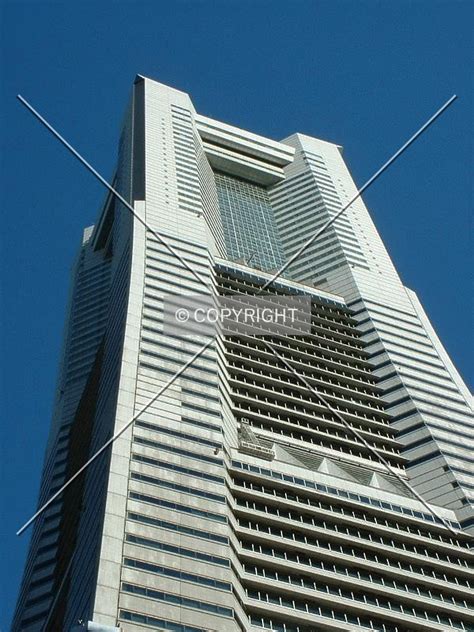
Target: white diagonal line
201, 280
115, 436
169, 248
370, 181
111, 189
373, 450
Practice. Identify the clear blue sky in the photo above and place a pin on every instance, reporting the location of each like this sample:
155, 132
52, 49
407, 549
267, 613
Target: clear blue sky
362, 74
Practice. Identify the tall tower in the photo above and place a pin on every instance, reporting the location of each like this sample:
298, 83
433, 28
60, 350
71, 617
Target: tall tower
320, 484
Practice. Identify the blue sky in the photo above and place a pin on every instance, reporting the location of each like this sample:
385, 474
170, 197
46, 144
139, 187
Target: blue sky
361, 74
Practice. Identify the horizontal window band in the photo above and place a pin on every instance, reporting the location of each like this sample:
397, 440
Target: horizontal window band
177, 600
182, 489
431, 414
417, 378
178, 468
212, 398
153, 367
181, 451
177, 550
189, 378
409, 429
417, 444
177, 434
404, 355
179, 528
374, 502
173, 573
416, 399
154, 622
387, 307
159, 502
422, 459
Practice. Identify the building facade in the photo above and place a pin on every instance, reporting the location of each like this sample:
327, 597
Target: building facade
324, 485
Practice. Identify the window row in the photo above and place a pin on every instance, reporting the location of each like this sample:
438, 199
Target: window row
182, 489
178, 528
176, 550
159, 502
313, 608
178, 468
154, 622
326, 489
299, 580
355, 553
173, 573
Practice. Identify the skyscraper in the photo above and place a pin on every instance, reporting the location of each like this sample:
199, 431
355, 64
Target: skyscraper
324, 483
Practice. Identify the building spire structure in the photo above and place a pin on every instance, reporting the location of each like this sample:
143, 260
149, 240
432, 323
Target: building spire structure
239, 501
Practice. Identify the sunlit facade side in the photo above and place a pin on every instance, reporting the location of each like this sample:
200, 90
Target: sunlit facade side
240, 501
